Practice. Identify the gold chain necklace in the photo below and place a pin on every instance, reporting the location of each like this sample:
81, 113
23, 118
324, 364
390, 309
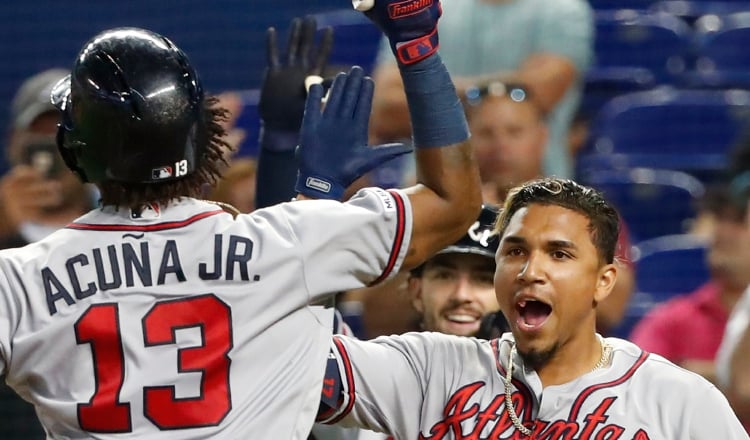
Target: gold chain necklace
606, 353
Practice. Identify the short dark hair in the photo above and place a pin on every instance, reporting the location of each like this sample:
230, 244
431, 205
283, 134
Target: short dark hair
209, 169
604, 222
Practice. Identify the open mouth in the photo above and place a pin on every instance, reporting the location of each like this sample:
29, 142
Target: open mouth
532, 314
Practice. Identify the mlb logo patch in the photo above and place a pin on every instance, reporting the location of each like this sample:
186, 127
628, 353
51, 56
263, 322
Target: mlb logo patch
162, 173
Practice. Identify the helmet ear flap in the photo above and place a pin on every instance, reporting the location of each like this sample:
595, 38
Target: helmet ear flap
66, 150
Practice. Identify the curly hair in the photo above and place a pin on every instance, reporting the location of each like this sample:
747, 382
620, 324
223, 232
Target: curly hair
604, 221
209, 169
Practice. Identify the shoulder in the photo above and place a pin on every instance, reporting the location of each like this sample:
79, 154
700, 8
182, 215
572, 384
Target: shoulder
567, 6
651, 369
431, 345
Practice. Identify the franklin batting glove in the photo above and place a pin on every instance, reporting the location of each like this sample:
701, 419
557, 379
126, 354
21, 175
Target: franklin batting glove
333, 150
410, 25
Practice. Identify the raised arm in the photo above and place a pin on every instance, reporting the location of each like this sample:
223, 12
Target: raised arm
282, 103
333, 140
447, 198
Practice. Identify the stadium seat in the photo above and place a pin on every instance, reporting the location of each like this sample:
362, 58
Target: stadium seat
621, 4
722, 58
602, 84
356, 38
692, 10
665, 266
656, 41
249, 120
670, 265
652, 202
687, 130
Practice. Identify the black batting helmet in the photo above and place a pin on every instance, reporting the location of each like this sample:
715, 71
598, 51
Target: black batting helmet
132, 110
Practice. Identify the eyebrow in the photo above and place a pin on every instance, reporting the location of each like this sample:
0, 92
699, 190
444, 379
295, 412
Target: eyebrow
552, 244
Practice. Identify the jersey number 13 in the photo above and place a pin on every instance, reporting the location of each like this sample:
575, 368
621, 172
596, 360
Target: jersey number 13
99, 326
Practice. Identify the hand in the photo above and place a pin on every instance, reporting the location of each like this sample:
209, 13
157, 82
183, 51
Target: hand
25, 195
411, 26
282, 96
333, 149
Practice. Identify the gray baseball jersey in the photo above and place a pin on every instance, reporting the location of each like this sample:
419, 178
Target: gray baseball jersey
437, 386
182, 322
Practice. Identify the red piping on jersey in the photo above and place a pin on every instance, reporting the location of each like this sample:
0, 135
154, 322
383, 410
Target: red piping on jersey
145, 228
349, 381
398, 241
588, 391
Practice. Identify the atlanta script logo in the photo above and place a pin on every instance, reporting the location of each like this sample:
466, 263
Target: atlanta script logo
458, 412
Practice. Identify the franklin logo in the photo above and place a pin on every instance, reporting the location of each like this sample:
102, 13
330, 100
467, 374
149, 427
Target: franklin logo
320, 185
161, 173
408, 7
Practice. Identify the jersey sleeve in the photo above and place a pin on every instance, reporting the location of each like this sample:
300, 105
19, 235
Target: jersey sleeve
713, 417
738, 323
395, 384
8, 313
350, 245
375, 397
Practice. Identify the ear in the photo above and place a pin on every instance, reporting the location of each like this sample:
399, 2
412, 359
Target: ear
605, 282
415, 293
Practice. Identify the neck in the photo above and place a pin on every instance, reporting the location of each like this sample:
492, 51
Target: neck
729, 295
572, 360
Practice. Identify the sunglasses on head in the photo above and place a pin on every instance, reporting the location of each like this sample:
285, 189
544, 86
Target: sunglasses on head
515, 92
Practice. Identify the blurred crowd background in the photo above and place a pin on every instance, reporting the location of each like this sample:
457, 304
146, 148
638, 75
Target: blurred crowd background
648, 101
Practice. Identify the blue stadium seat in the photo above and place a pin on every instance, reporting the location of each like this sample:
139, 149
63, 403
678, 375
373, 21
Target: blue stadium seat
602, 84
652, 202
356, 38
249, 120
722, 56
692, 10
621, 4
665, 266
687, 130
656, 41
670, 265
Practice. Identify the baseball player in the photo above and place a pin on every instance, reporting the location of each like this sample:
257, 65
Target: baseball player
161, 316
553, 376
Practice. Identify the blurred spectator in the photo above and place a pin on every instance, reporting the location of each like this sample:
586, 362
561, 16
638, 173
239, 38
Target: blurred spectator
39, 194
688, 329
733, 358
546, 44
509, 134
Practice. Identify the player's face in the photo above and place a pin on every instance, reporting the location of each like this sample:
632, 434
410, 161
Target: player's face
548, 279
454, 292
508, 139
729, 250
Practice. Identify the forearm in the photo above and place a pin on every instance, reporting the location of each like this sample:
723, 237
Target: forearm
277, 167
390, 113
547, 76
449, 198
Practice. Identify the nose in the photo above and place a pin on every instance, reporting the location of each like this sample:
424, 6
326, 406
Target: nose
463, 289
531, 271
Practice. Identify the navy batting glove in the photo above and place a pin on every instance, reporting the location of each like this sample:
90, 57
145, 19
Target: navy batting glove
333, 150
410, 25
